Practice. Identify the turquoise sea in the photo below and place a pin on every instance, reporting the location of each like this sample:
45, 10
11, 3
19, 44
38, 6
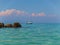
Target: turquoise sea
31, 34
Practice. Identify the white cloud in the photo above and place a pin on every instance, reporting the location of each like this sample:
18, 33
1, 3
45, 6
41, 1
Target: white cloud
38, 14
11, 11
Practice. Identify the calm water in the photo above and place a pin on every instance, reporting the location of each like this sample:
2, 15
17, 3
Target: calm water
31, 34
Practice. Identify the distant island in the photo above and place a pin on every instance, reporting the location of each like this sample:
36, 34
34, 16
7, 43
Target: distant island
14, 25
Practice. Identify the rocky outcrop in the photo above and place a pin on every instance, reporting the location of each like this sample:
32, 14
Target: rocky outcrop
8, 25
16, 24
1, 25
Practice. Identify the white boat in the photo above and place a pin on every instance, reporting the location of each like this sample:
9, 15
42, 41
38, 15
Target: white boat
29, 22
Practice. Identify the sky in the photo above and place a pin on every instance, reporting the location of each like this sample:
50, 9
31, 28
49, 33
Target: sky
37, 11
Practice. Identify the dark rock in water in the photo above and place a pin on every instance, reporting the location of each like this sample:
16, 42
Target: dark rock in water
16, 24
1, 25
8, 25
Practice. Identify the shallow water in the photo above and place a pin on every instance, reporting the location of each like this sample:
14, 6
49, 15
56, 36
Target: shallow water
31, 34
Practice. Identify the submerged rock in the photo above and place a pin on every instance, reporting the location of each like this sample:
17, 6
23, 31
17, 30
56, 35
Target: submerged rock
16, 24
1, 25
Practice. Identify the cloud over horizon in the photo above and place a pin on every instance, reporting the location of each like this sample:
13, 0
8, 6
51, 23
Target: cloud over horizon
19, 12
39, 14
11, 11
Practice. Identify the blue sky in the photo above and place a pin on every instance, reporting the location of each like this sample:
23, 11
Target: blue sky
38, 11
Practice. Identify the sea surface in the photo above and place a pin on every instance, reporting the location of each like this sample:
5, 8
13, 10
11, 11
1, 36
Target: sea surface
31, 34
